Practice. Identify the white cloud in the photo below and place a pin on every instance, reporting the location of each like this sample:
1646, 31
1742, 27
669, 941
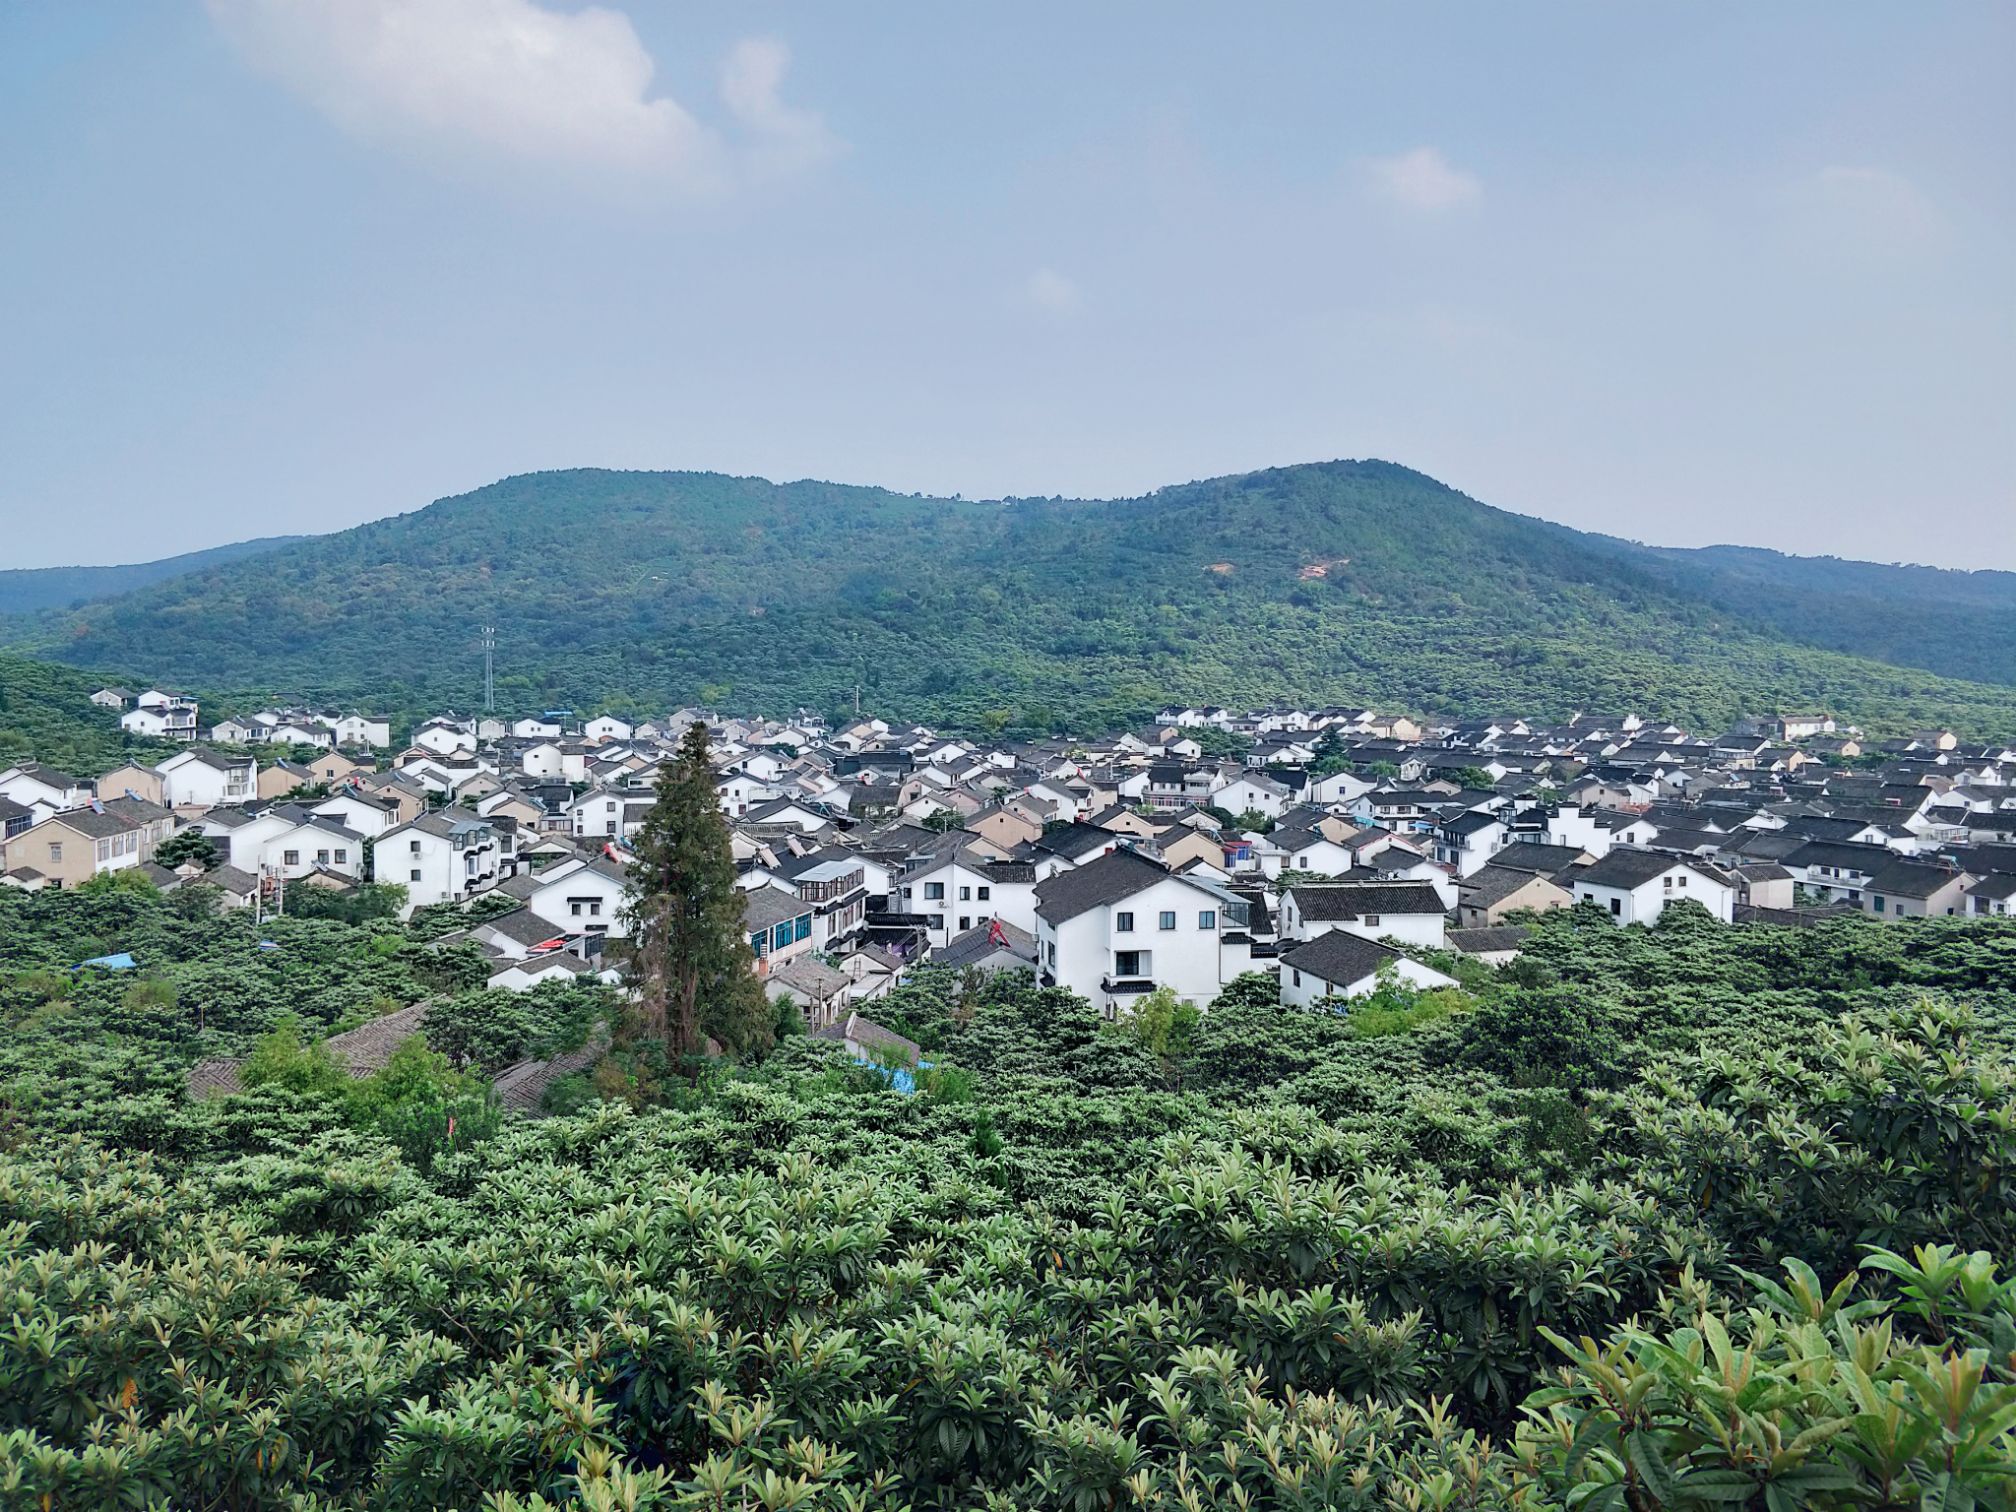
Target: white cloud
784, 138
1425, 180
512, 84
1048, 289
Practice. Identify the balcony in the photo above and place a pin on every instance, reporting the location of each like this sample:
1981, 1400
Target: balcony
1119, 986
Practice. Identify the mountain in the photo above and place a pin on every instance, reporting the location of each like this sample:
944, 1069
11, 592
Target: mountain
1341, 582
23, 590
1959, 623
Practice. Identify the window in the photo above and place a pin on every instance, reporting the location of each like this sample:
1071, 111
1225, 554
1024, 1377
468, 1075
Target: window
965, 923
322, 857
804, 930
1167, 919
1879, 902
1683, 879
413, 875
1373, 920
413, 846
342, 855
1207, 918
1617, 907
934, 891
965, 895
1050, 952
1130, 963
760, 943
781, 936
55, 850
1298, 979
1124, 923
290, 858
986, 893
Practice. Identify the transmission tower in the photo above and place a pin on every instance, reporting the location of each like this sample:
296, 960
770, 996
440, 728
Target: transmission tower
489, 669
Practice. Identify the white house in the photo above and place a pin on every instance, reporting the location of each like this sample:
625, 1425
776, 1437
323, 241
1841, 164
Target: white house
1122, 925
582, 897
438, 858
202, 778
363, 812
443, 738
1253, 792
1634, 886
606, 727
1469, 840
1305, 848
41, 789
965, 885
318, 842
1339, 965
165, 716
536, 727
362, 730
1409, 911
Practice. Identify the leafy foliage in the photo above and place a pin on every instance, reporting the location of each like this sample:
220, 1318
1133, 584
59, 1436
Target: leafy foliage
1751, 1250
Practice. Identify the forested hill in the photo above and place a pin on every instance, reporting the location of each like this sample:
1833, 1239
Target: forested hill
1341, 581
23, 590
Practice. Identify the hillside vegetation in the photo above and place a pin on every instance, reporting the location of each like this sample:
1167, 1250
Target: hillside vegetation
23, 590
46, 715
1345, 582
1652, 1221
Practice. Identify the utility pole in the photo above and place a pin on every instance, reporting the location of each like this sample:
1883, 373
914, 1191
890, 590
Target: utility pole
489, 669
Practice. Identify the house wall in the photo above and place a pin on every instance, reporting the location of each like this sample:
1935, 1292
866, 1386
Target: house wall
196, 784
68, 858
1306, 989
1948, 900
1187, 958
598, 899
1539, 894
141, 782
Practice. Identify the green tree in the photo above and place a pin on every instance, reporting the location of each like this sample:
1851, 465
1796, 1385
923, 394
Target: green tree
189, 845
689, 959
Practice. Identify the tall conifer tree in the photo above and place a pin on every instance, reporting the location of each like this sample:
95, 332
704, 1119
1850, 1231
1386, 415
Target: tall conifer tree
689, 958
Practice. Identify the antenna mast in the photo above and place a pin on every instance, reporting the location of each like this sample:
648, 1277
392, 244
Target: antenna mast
489, 668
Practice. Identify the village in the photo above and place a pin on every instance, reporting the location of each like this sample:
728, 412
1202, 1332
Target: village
1330, 846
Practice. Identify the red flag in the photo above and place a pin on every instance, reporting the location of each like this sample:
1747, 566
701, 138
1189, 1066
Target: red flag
996, 935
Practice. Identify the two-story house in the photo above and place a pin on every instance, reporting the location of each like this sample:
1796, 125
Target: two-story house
203, 778
438, 858
1635, 886
1122, 925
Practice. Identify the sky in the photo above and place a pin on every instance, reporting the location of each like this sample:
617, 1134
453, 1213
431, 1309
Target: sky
1683, 273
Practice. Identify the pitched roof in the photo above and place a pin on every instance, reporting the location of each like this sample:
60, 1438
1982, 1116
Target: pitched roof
1338, 958
1493, 884
1487, 941
1120, 874
1627, 868
978, 943
1333, 902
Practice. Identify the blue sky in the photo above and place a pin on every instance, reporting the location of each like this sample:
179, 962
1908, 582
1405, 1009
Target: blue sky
1684, 273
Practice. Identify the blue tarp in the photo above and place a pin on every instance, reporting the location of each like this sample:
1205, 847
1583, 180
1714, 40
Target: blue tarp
121, 962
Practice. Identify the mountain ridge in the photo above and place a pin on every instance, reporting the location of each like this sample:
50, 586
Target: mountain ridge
28, 590
1343, 580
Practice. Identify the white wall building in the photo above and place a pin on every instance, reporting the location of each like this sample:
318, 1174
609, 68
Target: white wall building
438, 858
1634, 886
1116, 928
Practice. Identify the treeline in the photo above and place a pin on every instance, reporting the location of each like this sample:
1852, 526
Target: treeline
1635, 1223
